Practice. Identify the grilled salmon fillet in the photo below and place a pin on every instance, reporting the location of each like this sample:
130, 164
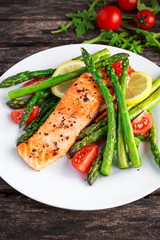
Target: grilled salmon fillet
56, 136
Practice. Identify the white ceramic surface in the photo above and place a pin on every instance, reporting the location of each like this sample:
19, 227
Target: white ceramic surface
59, 184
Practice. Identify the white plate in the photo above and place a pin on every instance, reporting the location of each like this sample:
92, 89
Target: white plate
59, 184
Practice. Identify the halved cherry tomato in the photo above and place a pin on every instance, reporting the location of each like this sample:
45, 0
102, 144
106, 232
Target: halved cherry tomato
36, 80
118, 68
142, 123
17, 114
145, 19
83, 159
33, 114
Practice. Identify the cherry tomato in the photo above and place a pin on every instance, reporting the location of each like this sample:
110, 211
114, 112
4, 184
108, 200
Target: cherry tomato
36, 80
142, 123
145, 19
17, 114
83, 159
109, 18
33, 114
118, 68
127, 5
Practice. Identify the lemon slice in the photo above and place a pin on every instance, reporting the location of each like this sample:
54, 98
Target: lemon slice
60, 89
138, 88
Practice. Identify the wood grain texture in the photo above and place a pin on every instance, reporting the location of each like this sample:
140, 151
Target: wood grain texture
25, 28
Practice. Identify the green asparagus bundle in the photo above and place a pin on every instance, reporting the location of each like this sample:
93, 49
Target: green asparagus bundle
62, 78
126, 123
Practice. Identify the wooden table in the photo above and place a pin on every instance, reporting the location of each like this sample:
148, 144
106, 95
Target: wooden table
25, 28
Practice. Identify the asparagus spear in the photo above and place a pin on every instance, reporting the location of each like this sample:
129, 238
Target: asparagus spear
122, 157
32, 102
22, 103
32, 131
98, 56
154, 143
92, 128
93, 137
126, 123
62, 78
18, 103
148, 103
27, 75
111, 132
47, 105
95, 168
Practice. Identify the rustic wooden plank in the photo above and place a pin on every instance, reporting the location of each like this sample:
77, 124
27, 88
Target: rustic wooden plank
39, 10
25, 218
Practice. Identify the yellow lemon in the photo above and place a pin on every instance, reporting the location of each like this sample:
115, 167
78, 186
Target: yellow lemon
138, 88
60, 89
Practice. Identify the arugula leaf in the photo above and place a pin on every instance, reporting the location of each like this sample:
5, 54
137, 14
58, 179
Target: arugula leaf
120, 40
150, 37
82, 21
155, 8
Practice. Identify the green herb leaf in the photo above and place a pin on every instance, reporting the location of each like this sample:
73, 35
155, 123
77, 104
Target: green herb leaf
155, 8
150, 37
82, 21
120, 40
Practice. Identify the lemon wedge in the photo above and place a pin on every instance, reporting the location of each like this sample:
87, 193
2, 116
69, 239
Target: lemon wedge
138, 88
60, 89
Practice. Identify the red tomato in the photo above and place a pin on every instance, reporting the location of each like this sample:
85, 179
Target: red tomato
17, 114
33, 114
118, 68
145, 19
127, 5
36, 80
83, 159
109, 18
142, 123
